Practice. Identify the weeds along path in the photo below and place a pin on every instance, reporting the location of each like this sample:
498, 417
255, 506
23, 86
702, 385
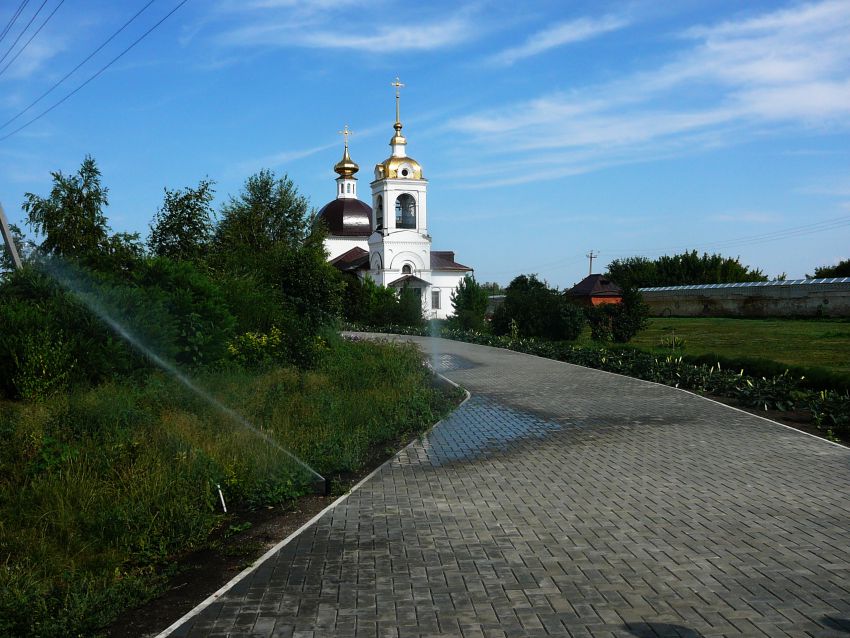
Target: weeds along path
561, 500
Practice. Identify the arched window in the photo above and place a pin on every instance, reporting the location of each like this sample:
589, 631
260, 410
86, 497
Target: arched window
405, 211
379, 213
406, 269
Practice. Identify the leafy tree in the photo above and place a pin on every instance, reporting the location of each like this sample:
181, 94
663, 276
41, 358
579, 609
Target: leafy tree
537, 311
493, 288
74, 225
408, 310
71, 218
841, 269
269, 211
469, 301
183, 226
680, 270
620, 321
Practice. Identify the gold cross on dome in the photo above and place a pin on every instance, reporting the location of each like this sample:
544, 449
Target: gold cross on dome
345, 132
397, 84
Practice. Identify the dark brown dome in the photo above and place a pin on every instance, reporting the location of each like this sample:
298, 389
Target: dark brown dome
347, 217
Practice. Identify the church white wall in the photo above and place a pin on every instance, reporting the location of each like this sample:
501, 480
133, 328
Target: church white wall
445, 282
336, 246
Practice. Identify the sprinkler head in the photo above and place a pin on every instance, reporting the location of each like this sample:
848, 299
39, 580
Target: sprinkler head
321, 487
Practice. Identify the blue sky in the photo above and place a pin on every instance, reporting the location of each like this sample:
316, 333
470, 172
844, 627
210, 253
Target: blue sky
545, 129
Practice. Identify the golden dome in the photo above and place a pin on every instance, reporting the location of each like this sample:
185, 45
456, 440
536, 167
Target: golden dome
346, 167
398, 168
398, 165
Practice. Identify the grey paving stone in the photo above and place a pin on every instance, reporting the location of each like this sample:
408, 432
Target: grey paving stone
566, 501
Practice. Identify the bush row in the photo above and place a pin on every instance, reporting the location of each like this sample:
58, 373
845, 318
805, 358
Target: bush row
830, 409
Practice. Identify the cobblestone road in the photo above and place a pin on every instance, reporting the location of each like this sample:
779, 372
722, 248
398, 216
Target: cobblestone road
570, 502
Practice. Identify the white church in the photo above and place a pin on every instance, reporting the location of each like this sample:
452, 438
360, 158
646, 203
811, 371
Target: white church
389, 240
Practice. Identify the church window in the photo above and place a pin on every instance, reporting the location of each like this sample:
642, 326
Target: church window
405, 211
406, 269
435, 299
349, 187
404, 172
379, 213
341, 187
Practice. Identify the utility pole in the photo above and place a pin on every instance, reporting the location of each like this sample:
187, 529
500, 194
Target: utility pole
7, 238
591, 256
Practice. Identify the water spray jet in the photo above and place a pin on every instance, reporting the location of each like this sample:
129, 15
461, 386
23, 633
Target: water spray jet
55, 270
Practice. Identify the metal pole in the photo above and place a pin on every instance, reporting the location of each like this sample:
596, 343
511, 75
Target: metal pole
7, 238
591, 256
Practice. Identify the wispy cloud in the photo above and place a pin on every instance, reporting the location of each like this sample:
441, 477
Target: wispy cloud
35, 57
560, 35
287, 23
731, 81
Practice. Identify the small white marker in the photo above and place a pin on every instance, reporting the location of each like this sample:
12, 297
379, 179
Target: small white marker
221, 496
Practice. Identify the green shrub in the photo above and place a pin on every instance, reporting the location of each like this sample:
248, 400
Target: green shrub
618, 322
469, 301
537, 311
257, 348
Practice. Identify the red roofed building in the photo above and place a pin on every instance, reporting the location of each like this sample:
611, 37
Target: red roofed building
595, 290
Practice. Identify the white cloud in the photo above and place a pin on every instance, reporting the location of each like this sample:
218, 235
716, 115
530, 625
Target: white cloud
560, 35
732, 81
281, 24
32, 59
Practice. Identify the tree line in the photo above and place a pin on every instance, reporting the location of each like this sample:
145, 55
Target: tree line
187, 291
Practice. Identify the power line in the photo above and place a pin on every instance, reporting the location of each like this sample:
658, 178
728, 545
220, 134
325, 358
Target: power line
96, 75
76, 68
13, 19
23, 31
32, 37
786, 233
747, 240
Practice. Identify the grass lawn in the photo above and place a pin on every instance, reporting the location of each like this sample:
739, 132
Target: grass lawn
819, 343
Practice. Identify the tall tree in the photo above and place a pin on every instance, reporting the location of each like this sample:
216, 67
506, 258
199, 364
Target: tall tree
71, 218
269, 211
469, 301
841, 269
679, 270
183, 226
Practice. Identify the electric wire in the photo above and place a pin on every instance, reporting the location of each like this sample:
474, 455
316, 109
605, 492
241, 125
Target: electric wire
13, 19
747, 240
32, 37
76, 68
23, 31
96, 74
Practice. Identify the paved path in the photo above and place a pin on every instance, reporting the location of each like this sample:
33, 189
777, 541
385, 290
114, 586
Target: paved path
570, 502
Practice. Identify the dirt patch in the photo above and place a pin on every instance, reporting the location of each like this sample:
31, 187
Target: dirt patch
203, 572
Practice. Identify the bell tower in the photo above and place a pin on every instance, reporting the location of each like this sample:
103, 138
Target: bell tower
400, 243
